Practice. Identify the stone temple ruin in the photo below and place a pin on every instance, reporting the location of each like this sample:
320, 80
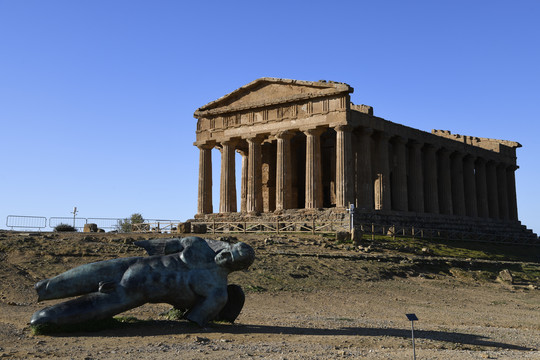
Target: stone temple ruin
306, 148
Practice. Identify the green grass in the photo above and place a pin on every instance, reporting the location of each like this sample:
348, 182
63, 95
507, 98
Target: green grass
173, 314
459, 249
255, 288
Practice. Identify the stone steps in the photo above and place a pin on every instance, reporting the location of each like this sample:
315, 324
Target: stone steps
498, 229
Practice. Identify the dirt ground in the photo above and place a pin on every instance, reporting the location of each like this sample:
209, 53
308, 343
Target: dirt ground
306, 298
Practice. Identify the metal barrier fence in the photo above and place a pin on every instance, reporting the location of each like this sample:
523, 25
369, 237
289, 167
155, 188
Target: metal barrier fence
27, 222
76, 223
41, 222
278, 226
155, 226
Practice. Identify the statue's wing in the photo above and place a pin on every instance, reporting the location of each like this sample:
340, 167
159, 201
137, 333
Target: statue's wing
161, 246
197, 253
175, 245
217, 245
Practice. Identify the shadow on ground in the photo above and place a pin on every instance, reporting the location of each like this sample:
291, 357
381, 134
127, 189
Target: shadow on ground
165, 327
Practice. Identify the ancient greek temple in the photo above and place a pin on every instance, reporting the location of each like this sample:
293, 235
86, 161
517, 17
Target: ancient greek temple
305, 145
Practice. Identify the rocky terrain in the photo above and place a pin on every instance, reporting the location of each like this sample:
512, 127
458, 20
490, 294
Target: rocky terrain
306, 297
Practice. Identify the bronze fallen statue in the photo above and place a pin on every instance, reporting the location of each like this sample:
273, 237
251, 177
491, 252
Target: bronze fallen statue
188, 273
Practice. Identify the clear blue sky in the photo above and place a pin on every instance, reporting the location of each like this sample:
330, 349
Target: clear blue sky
97, 97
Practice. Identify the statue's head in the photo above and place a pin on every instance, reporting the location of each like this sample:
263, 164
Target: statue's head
237, 257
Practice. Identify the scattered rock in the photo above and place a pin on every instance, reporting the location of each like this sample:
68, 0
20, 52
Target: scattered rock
201, 340
342, 236
427, 251
229, 239
506, 276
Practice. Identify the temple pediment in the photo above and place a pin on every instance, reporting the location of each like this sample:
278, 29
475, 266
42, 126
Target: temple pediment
271, 91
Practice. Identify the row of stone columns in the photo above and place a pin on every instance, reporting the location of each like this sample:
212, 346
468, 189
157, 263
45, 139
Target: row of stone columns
252, 201
422, 178
428, 179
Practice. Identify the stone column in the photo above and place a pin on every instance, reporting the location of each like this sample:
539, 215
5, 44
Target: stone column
227, 193
314, 196
204, 203
416, 178
344, 169
254, 200
244, 180
469, 184
493, 196
383, 200
283, 171
431, 197
481, 188
364, 176
399, 178
458, 189
502, 190
444, 182
512, 198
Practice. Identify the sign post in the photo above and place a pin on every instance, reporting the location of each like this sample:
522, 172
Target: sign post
412, 318
74, 212
350, 210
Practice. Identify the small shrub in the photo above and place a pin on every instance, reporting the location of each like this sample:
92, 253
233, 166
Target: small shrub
174, 314
64, 228
126, 224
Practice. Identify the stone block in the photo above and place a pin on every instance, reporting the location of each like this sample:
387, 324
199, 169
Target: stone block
184, 228
90, 228
343, 236
356, 236
198, 228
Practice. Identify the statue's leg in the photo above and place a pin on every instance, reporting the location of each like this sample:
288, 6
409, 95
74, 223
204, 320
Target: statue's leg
235, 303
94, 306
83, 279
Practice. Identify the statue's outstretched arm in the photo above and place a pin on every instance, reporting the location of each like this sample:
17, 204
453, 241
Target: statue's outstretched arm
208, 308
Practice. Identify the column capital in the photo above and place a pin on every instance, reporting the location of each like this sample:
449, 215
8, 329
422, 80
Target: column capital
431, 147
399, 140
257, 139
366, 131
242, 152
383, 135
480, 160
205, 145
230, 142
342, 127
469, 157
415, 144
458, 155
315, 131
444, 151
284, 134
